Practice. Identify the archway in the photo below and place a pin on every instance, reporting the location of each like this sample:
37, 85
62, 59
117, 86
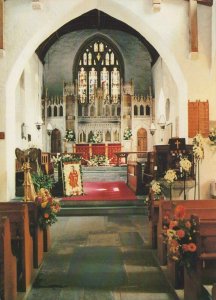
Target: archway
56, 141
19, 56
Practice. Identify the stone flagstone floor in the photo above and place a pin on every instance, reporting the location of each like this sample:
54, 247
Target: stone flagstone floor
100, 258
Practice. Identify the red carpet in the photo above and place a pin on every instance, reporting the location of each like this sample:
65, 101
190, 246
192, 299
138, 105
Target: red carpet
105, 191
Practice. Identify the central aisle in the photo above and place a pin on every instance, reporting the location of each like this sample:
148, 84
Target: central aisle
100, 258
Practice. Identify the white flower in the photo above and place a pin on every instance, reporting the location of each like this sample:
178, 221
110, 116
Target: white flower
156, 188
96, 138
127, 134
198, 147
70, 135
185, 164
170, 176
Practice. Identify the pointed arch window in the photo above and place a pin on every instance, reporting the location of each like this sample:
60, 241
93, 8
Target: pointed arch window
99, 71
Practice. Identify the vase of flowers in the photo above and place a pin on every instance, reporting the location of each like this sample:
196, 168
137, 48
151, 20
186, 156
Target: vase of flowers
48, 207
169, 177
156, 189
69, 138
185, 167
96, 138
198, 153
180, 236
127, 134
212, 136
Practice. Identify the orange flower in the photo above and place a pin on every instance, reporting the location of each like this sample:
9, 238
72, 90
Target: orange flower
192, 247
179, 212
46, 215
180, 233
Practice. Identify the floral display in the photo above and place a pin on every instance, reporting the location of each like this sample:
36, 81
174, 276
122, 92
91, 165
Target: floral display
156, 188
127, 134
212, 136
96, 138
48, 207
180, 236
198, 147
98, 160
64, 158
185, 164
70, 135
170, 176
56, 159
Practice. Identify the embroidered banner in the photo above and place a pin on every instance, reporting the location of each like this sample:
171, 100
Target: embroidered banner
72, 179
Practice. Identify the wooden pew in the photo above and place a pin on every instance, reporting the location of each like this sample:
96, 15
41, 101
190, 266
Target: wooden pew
206, 249
8, 264
153, 219
166, 207
22, 244
35, 231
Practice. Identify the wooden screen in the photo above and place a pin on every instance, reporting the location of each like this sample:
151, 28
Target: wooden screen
198, 118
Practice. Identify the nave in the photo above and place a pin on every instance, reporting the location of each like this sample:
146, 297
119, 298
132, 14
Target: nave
101, 258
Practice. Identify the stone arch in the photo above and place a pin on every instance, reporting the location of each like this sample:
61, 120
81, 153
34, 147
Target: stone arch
19, 56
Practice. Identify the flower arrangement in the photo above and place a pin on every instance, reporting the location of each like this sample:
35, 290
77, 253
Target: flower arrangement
64, 158
96, 138
70, 135
198, 147
127, 134
185, 164
156, 189
180, 236
98, 160
47, 208
170, 176
212, 136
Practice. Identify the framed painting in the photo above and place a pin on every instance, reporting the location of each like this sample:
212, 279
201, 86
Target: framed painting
72, 179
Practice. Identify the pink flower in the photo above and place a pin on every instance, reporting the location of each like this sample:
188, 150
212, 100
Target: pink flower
185, 247
188, 224
192, 247
180, 233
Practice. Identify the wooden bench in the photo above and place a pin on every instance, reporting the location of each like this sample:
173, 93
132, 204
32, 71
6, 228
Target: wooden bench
191, 207
206, 249
153, 219
35, 231
8, 264
22, 245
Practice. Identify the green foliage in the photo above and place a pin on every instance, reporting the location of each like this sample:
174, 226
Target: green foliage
41, 180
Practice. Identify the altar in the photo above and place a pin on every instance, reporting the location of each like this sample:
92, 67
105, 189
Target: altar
89, 150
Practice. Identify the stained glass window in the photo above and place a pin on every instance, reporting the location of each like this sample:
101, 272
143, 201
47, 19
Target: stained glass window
99, 72
82, 83
105, 82
92, 84
115, 85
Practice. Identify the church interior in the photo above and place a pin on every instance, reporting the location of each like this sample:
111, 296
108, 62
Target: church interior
108, 143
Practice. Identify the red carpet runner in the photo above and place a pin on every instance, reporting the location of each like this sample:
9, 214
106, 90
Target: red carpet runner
105, 191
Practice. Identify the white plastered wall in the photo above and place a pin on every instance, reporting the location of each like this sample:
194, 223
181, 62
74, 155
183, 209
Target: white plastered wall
166, 30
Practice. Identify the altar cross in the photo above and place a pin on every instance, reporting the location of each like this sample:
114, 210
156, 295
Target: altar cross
177, 143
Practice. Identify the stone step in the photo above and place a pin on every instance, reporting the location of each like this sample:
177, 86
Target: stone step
102, 211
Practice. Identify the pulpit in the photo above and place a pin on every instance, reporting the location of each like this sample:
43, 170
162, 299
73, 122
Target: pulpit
168, 157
